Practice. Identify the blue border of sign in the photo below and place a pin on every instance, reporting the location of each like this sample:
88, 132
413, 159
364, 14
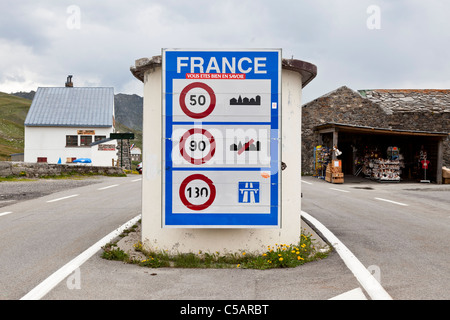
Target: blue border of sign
221, 220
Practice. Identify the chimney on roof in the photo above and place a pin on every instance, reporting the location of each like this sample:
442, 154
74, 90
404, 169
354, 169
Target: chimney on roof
69, 81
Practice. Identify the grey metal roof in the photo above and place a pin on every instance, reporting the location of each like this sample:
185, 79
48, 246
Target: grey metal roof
72, 107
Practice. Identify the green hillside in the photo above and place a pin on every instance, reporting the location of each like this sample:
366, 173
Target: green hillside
13, 111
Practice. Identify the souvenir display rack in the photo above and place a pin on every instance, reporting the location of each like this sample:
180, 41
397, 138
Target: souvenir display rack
382, 169
322, 156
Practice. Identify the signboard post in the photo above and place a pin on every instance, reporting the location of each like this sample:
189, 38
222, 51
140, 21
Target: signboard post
221, 138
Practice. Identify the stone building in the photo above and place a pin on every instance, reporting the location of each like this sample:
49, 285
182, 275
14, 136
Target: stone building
356, 122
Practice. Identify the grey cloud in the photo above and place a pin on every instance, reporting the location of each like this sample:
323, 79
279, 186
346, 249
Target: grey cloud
412, 46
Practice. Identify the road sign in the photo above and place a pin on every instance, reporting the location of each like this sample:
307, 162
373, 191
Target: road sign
221, 133
187, 91
122, 136
197, 145
208, 193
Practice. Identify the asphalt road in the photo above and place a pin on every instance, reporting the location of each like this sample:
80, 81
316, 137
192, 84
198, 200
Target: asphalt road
39, 235
398, 230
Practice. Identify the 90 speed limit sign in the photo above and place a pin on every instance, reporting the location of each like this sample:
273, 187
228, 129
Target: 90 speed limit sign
197, 146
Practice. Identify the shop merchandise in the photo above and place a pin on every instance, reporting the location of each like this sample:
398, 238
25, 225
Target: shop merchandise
383, 169
334, 172
322, 156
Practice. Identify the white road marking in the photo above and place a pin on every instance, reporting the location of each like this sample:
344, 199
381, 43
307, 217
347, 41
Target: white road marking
136, 180
306, 182
364, 277
48, 284
5, 213
395, 202
355, 294
339, 190
54, 200
111, 186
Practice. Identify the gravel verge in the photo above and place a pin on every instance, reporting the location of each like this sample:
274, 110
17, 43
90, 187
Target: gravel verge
25, 189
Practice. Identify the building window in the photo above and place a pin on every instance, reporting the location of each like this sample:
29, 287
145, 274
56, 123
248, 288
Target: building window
85, 140
98, 138
71, 141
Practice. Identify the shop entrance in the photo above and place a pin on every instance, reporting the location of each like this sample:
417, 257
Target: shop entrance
385, 155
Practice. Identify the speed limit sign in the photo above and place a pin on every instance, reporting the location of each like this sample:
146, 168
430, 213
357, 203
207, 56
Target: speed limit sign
197, 100
197, 146
221, 138
188, 192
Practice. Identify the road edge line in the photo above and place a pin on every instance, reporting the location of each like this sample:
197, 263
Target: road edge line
53, 280
364, 277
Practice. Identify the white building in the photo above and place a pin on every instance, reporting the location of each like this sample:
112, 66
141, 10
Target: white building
64, 124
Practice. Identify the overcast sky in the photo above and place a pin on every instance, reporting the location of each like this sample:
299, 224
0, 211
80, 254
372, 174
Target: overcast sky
358, 43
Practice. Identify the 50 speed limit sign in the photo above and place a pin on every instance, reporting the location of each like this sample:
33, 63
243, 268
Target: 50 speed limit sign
221, 131
197, 100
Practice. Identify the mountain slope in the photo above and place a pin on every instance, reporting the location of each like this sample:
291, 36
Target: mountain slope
13, 111
129, 109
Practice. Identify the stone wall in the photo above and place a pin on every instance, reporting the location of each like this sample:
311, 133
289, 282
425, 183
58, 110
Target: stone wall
340, 106
124, 156
36, 170
395, 109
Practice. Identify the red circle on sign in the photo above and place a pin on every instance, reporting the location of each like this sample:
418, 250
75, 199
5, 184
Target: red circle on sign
197, 207
205, 113
212, 142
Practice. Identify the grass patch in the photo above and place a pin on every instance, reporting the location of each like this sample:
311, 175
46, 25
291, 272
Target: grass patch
112, 252
15, 178
276, 256
13, 111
